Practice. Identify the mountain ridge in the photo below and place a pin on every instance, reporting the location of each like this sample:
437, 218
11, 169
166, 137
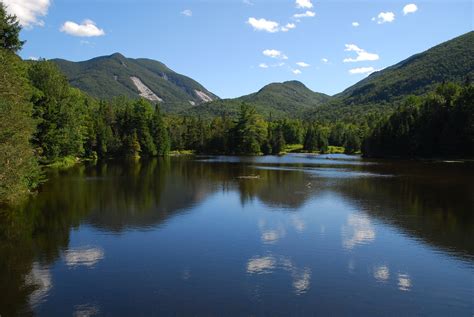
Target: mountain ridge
273, 100
115, 75
104, 77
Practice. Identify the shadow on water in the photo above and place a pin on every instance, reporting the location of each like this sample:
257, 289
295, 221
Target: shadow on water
428, 201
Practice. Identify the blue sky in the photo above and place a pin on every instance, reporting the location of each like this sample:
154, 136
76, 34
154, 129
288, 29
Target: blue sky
235, 47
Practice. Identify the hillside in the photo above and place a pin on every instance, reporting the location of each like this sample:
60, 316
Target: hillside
106, 77
450, 61
382, 91
291, 98
379, 93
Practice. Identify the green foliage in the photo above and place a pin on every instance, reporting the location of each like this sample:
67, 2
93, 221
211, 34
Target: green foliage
382, 92
316, 138
417, 75
59, 110
160, 133
249, 132
9, 31
107, 77
19, 171
277, 100
63, 162
45, 119
438, 125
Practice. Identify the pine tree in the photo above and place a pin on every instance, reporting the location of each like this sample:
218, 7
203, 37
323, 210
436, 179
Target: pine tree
9, 31
160, 133
19, 171
310, 140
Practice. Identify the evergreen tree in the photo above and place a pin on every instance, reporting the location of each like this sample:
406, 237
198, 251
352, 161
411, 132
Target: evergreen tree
310, 140
160, 133
60, 111
132, 146
9, 31
250, 131
19, 171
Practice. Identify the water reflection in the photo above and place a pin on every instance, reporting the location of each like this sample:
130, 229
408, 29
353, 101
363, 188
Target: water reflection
358, 230
283, 235
382, 273
301, 277
271, 236
301, 280
404, 282
83, 257
39, 279
86, 310
298, 224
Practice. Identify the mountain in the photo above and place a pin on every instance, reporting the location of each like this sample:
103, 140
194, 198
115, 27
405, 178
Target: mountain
382, 91
106, 77
450, 61
290, 98
379, 93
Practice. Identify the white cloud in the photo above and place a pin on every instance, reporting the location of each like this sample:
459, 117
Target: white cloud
410, 8
265, 65
264, 25
288, 26
187, 13
33, 58
28, 12
307, 14
384, 17
362, 55
355, 24
324, 60
248, 2
303, 64
304, 4
86, 29
362, 70
274, 54
296, 71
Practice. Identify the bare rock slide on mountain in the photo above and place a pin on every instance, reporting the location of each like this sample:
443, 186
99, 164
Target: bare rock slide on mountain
145, 92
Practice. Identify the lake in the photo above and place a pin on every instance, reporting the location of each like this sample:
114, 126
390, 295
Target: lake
291, 235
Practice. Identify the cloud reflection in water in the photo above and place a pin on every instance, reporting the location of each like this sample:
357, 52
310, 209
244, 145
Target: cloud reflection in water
404, 282
357, 231
86, 310
382, 273
83, 257
270, 264
40, 279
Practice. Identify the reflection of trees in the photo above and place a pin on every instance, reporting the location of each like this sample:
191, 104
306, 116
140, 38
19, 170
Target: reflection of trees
428, 201
114, 196
274, 187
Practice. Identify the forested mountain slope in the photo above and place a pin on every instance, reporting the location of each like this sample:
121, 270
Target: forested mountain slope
106, 77
383, 91
290, 98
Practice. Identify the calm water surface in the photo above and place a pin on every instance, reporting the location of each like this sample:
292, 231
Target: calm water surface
292, 235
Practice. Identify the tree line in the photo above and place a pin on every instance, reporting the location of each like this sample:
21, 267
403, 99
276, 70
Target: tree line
440, 124
44, 120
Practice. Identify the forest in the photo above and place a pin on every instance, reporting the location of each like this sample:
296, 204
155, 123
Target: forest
46, 122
